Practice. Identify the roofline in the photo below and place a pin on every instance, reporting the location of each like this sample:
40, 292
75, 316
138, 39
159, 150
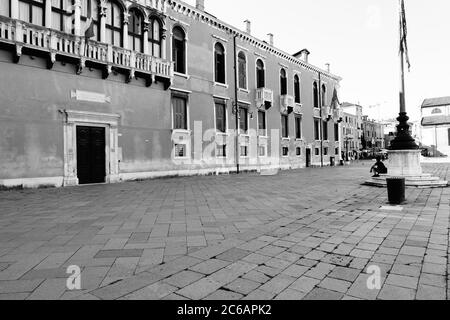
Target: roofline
229, 28
435, 105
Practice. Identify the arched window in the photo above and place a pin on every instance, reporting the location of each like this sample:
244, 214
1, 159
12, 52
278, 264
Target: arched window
89, 10
436, 111
324, 95
5, 8
242, 70
179, 50
114, 22
135, 30
316, 94
60, 9
297, 88
32, 11
260, 74
283, 82
154, 37
219, 63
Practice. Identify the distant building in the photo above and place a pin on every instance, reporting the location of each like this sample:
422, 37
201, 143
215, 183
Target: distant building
436, 126
390, 130
351, 130
372, 136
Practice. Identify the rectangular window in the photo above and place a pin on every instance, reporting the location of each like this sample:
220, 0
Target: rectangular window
222, 151
221, 117
336, 132
262, 151
316, 129
262, 123
298, 151
336, 151
243, 120
180, 151
244, 151
325, 130
298, 127
59, 11
179, 113
284, 126
317, 151
24, 11
285, 151
4, 8
325, 151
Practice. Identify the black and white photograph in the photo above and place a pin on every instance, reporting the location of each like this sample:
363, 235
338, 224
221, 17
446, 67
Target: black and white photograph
221, 156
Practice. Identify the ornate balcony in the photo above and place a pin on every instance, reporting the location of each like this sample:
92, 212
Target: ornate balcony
316, 113
327, 113
338, 114
287, 103
264, 98
298, 108
53, 45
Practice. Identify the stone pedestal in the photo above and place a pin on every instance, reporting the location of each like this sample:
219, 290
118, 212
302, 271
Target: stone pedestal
404, 163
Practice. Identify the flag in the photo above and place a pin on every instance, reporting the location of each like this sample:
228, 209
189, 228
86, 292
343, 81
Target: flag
89, 33
335, 100
404, 33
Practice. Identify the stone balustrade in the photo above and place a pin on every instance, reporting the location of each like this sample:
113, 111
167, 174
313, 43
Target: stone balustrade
287, 103
54, 42
264, 97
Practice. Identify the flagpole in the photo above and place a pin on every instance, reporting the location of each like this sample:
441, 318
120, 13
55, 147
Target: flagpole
403, 139
402, 62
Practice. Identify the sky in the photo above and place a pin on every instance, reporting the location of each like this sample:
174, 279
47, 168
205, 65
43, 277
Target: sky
360, 39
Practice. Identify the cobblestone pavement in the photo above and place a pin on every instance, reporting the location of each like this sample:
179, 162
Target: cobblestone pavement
306, 234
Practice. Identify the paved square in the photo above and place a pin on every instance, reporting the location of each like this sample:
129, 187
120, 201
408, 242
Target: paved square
303, 234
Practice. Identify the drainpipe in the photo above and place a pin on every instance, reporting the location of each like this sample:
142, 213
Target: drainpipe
321, 121
236, 106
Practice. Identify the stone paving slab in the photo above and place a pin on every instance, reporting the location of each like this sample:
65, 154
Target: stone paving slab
227, 237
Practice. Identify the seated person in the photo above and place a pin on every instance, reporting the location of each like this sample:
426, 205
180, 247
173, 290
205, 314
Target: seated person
378, 168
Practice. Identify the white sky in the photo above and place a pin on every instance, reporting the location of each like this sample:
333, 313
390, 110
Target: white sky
360, 40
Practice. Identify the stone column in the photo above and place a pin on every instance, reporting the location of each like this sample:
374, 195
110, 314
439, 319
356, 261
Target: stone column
48, 14
145, 37
15, 9
113, 158
70, 170
164, 44
77, 17
103, 13
126, 21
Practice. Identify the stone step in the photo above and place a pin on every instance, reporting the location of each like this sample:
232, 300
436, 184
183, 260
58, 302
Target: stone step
430, 179
424, 175
377, 182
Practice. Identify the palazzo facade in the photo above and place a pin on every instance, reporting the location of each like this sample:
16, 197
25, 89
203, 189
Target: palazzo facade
154, 91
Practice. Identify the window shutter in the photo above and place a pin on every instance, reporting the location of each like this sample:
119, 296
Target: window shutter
449, 136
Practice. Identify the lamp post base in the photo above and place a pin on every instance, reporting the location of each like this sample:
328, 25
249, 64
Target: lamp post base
403, 139
404, 163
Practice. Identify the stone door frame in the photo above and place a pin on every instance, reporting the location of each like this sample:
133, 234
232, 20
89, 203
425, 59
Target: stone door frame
74, 118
